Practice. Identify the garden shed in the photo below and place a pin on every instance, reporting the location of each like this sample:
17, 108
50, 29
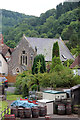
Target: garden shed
48, 104
75, 94
53, 95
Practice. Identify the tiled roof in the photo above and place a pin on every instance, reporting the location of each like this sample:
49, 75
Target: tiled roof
44, 46
76, 62
4, 48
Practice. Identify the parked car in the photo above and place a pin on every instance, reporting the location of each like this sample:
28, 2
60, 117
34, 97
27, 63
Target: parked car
4, 81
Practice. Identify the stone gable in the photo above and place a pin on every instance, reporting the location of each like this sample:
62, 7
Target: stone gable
22, 57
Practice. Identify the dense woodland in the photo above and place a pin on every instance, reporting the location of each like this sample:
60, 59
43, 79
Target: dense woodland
62, 21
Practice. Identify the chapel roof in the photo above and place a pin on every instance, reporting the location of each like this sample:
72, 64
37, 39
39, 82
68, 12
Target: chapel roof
44, 46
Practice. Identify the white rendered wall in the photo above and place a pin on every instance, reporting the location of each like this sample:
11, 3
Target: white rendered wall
4, 66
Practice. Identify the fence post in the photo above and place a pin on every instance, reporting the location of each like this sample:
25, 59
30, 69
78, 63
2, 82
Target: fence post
6, 111
1, 114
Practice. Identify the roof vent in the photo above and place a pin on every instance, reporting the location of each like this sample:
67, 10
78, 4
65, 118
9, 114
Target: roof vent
64, 56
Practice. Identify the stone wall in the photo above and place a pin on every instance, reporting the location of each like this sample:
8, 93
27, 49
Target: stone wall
15, 62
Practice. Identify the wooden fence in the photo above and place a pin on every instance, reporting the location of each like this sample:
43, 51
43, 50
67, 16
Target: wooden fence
6, 111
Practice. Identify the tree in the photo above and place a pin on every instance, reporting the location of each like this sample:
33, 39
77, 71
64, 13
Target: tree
74, 39
68, 62
55, 62
55, 50
39, 65
11, 44
57, 35
76, 51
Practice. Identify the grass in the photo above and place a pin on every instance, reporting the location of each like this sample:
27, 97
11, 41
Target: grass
12, 96
3, 105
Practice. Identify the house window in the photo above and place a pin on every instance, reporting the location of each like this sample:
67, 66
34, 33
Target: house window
26, 60
23, 52
23, 59
0, 63
17, 70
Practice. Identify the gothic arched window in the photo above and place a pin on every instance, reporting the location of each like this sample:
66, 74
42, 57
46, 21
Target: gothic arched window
23, 58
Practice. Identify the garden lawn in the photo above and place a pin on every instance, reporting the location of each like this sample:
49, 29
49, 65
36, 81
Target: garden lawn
3, 104
12, 97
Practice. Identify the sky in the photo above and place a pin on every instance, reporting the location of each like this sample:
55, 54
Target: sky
29, 7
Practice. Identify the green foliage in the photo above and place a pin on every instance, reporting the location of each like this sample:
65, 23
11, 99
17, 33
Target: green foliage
24, 89
67, 6
76, 51
23, 82
39, 65
11, 43
57, 36
55, 61
10, 18
68, 62
77, 79
55, 50
60, 77
62, 21
71, 32
34, 87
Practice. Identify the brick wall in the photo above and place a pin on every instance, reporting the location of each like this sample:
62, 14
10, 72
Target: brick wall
10, 78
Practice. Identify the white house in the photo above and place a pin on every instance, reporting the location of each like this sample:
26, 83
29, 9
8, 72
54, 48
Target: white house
5, 54
3, 64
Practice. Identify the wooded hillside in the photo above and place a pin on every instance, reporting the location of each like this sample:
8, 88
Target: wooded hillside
62, 21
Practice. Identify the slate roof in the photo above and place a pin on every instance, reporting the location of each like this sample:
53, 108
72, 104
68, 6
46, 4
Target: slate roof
3, 57
76, 62
44, 46
75, 87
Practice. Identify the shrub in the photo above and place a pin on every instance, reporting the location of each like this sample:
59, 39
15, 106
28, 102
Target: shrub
39, 64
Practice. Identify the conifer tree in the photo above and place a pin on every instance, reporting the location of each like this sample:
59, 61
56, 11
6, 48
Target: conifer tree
55, 50
39, 64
